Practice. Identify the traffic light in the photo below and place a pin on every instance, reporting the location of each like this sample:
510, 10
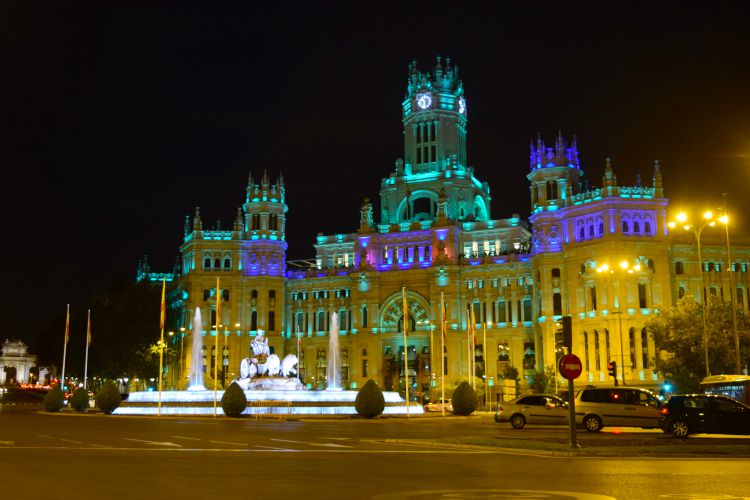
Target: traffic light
567, 331
612, 366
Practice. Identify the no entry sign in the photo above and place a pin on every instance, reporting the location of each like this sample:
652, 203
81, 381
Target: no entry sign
570, 366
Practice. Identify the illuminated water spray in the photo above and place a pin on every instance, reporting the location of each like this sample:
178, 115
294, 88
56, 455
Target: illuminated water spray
333, 372
196, 362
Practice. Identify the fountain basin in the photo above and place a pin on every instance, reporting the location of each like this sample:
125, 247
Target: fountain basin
259, 402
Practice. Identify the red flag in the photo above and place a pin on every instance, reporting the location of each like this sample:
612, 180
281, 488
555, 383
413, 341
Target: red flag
67, 325
473, 327
163, 304
88, 329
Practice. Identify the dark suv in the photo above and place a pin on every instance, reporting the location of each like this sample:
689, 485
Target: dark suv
685, 414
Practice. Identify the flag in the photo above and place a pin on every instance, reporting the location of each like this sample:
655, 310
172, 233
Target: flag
442, 313
406, 312
67, 325
473, 326
163, 304
88, 330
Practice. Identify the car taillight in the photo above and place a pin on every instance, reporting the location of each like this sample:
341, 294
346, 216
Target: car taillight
665, 411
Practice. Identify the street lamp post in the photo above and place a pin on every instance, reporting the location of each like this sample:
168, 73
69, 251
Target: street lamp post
624, 267
697, 230
182, 343
724, 219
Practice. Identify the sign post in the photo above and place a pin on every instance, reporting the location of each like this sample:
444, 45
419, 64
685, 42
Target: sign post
570, 368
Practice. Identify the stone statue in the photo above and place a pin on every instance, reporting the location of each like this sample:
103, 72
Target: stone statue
262, 362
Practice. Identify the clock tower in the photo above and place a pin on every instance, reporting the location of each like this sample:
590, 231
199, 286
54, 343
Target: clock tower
434, 117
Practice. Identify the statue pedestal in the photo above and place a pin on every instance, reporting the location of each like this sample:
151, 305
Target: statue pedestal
271, 384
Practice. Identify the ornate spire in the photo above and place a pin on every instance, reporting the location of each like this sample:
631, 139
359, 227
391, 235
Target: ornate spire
658, 187
282, 188
197, 222
609, 179
365, 217
186, 228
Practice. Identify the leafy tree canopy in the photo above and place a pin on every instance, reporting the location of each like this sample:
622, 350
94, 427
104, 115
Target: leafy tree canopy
678, 332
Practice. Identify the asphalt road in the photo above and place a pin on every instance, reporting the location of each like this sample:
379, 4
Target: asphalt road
96, 456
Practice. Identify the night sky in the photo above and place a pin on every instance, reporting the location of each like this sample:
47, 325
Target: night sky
120, 120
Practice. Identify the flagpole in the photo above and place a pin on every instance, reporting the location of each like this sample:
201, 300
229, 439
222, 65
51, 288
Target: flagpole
88, 341
468, 343
65, 344
472, 350
161, 340
216, 343
442, 354
406, 351
299, 340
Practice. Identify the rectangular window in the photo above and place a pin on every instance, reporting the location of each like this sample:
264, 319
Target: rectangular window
364, 367
502, 310
486, 247
474, 249
480, 284
642, 303
527, 310
593, 298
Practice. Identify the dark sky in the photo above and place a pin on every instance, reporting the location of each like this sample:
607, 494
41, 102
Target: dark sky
119, 120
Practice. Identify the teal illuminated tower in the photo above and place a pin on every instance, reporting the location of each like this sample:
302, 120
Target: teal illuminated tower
434, 120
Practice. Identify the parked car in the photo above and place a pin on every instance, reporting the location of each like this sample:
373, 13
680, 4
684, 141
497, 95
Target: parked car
533, 409
597, 407
439, 405
684, 414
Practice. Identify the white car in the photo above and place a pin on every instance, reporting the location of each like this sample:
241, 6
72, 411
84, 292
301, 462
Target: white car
533, 409
439, 405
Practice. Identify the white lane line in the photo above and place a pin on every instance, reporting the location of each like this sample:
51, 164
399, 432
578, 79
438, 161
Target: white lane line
272, 448
71, 441
227, 442
7, 443
328, 445
183, 437
155, 443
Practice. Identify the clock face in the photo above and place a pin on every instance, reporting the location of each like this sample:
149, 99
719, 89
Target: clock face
462, 105
424, 100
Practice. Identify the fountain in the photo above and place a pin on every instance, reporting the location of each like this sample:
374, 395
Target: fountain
333, 372
270, 384
196, 360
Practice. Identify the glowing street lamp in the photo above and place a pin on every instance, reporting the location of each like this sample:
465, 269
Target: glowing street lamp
623, 267
707, 221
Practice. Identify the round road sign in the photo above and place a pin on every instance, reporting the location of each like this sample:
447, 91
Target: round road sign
570, 366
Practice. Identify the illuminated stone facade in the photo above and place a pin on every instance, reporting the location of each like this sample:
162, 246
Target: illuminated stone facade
16, 358
435, 236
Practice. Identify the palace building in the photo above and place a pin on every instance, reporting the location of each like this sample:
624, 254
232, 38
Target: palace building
435, 236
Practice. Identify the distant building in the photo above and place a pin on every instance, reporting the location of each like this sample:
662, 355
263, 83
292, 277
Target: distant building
15, 362
435, 236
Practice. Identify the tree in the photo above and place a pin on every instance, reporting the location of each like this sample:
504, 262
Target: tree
464, 400
108, 398
234, 401
679, 331
370, 401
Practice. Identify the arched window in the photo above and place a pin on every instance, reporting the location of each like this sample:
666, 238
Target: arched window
227, 263
591, 231
217, 263
272, 298
647, 227
254, 320
364, 316
582, 233
271, 321
680, 292
207, 263
625, 226
601, 228
679, 268
636, 227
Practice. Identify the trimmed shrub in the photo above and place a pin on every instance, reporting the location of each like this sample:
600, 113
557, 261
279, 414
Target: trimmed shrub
54, 399
464, 400
234, 401
108, 398
79, 401
370, 401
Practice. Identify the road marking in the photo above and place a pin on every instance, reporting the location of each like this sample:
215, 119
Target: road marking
45, 436
71, 441
8, 443
155, 443
183, 437
227, 442
329, 445
273, 448
497, 494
